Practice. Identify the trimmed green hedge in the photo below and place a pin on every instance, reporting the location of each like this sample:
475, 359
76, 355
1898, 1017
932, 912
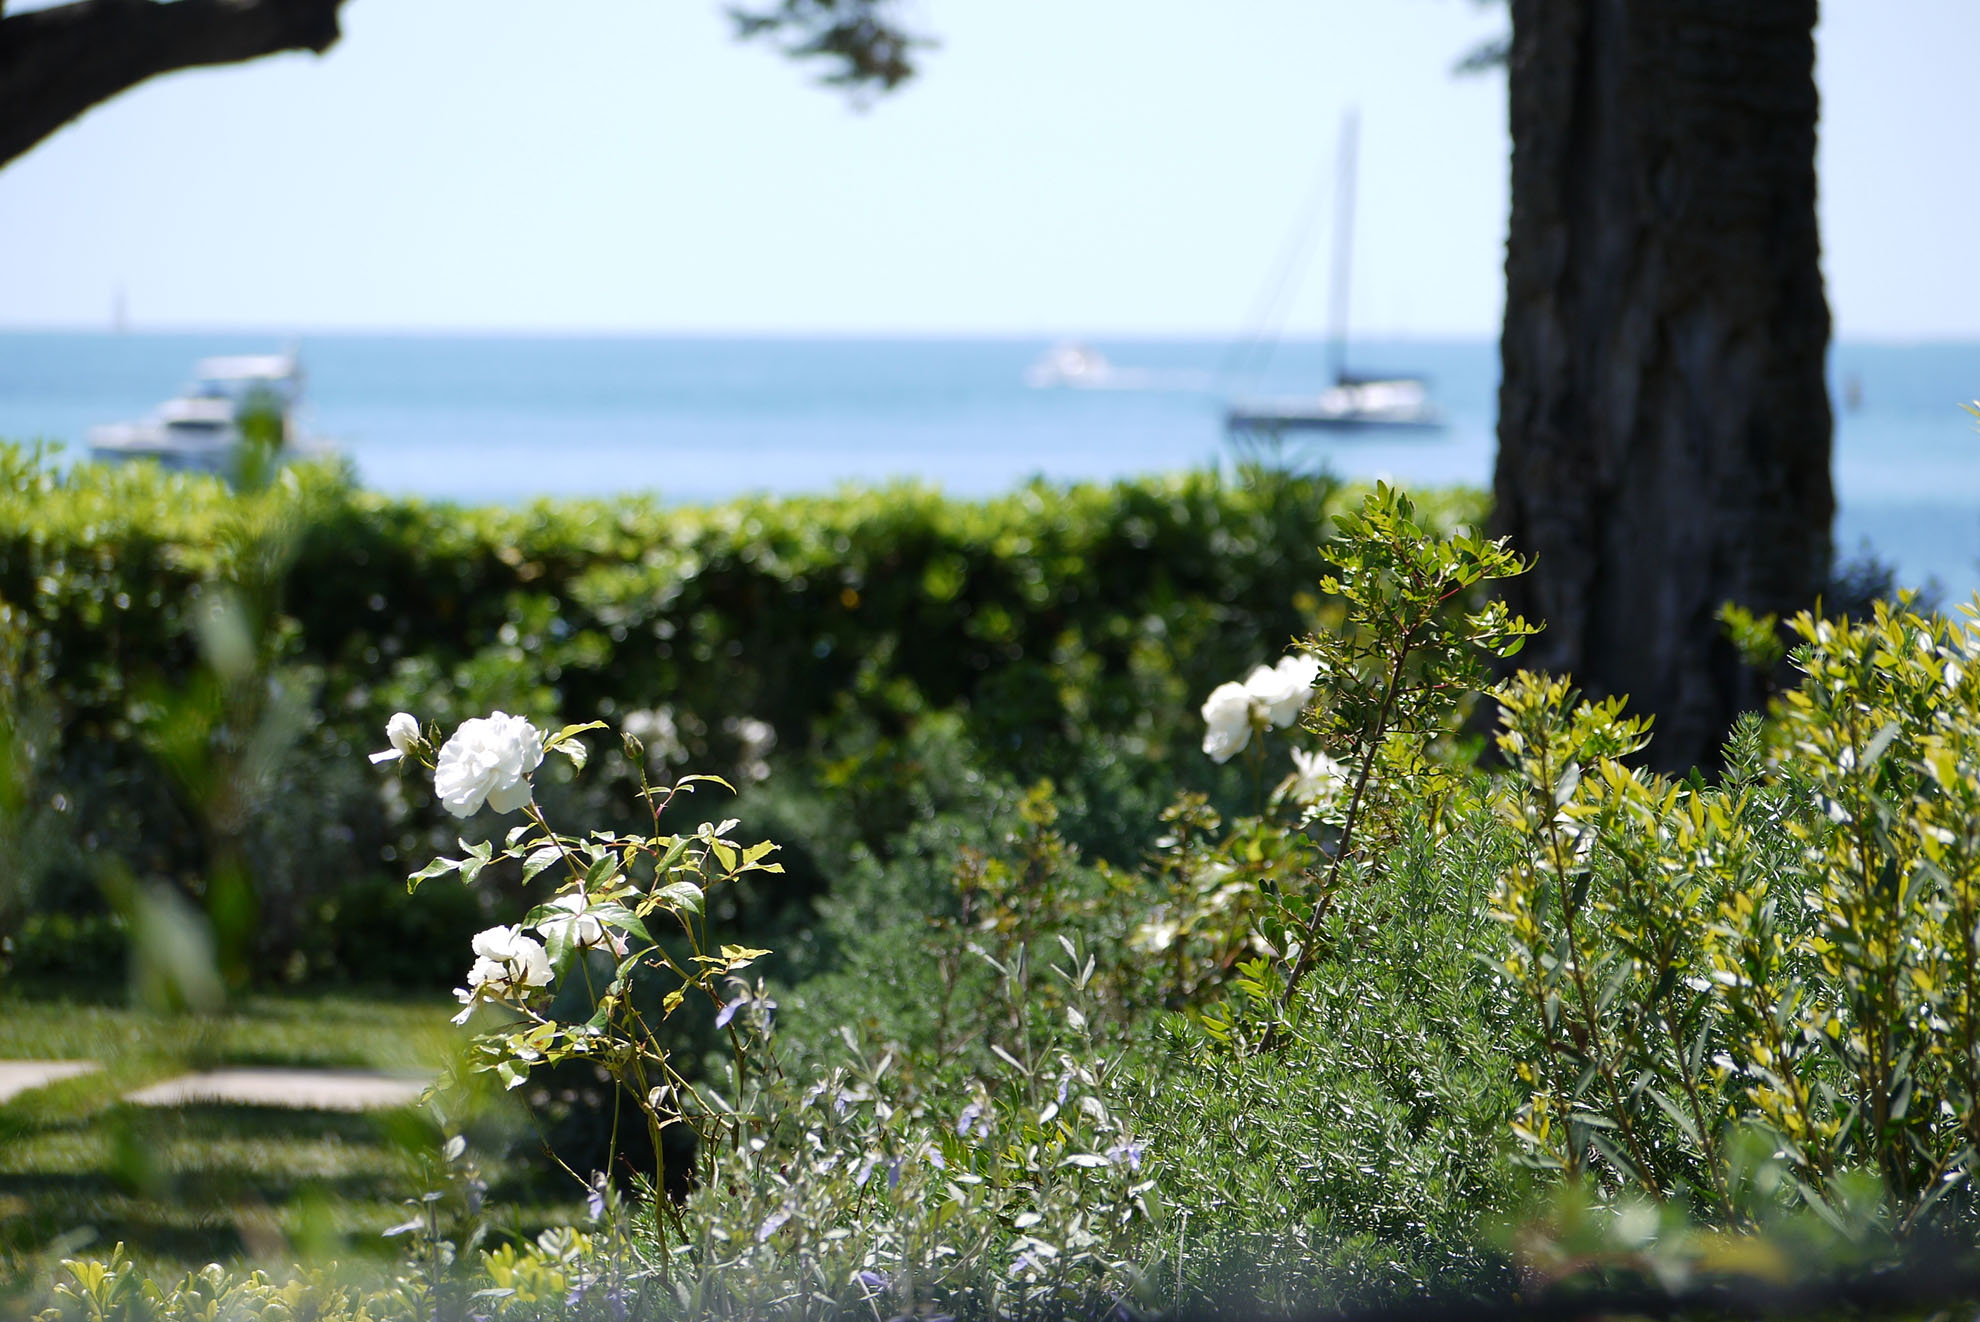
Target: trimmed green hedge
1073, 630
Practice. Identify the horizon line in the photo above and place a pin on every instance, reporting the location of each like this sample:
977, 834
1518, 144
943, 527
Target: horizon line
417, 332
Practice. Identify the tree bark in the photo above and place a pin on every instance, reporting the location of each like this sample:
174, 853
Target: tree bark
57, 63
1664, 422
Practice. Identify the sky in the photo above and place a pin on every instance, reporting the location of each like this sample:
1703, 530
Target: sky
1060, 167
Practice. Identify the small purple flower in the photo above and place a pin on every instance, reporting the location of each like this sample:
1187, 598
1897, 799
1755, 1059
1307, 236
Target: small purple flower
771, 1223
865, 1171
894, 1175
972, 1114
1127, 1150
874, 1281
594, 1199
728, 1012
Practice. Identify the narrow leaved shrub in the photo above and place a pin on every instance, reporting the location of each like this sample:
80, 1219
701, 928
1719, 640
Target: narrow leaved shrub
1791, 953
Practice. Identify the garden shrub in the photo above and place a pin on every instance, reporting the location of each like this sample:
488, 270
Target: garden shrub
978, 1118
1065, 628
1319, 1041
1791, 954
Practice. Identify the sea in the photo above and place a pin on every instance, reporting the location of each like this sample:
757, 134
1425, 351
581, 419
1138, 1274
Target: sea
508, 418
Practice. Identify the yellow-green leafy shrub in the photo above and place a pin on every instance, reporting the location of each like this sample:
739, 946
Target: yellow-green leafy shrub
1792, 952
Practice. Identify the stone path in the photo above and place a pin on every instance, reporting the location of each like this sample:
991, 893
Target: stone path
19, 1076
308, 1090
304, 1090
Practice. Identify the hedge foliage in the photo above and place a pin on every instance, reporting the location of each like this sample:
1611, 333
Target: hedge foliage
193, 657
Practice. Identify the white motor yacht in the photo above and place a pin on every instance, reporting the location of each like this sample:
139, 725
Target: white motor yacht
200, 430
1071, 364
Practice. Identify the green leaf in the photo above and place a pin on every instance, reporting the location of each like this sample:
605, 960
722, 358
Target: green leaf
1677, 1114
1565, 786
540, 859
439, 867
1880, 741
617, 915
570, 732
674, 852
738, 956
682, 895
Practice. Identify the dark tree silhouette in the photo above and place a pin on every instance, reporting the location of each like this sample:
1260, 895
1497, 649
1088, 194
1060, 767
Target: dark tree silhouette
56, 63
1664, 422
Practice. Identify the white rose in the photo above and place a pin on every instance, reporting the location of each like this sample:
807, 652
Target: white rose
1227, 714
488, 758
506, 961
402, 732
520, 958
1317, 779
1282, 691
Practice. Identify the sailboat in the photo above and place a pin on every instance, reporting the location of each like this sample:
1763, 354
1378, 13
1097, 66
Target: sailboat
1357, 401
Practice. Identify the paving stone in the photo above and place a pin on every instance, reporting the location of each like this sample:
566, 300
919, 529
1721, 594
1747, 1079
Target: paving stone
19, 1076
307, 1090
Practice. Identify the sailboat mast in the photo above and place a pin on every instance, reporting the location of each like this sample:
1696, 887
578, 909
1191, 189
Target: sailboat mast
1343, 243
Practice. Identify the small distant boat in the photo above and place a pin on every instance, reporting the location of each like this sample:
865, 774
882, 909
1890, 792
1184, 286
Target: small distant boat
1357, 401
1071, 364
1351, 403
202, 429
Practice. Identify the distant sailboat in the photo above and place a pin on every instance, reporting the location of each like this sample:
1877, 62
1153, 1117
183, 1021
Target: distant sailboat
1357, 401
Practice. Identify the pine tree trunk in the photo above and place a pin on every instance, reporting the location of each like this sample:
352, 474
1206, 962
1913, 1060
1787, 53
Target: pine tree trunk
1664, 421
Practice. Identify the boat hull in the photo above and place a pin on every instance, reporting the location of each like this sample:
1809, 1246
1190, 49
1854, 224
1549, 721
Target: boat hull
1268, 418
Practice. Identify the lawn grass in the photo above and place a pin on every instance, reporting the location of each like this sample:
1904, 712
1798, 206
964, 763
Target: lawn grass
183, 1186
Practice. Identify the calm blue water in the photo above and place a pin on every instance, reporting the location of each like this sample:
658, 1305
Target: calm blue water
506, 418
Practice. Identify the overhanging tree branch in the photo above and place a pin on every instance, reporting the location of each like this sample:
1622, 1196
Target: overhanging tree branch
862, 43
56, 63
